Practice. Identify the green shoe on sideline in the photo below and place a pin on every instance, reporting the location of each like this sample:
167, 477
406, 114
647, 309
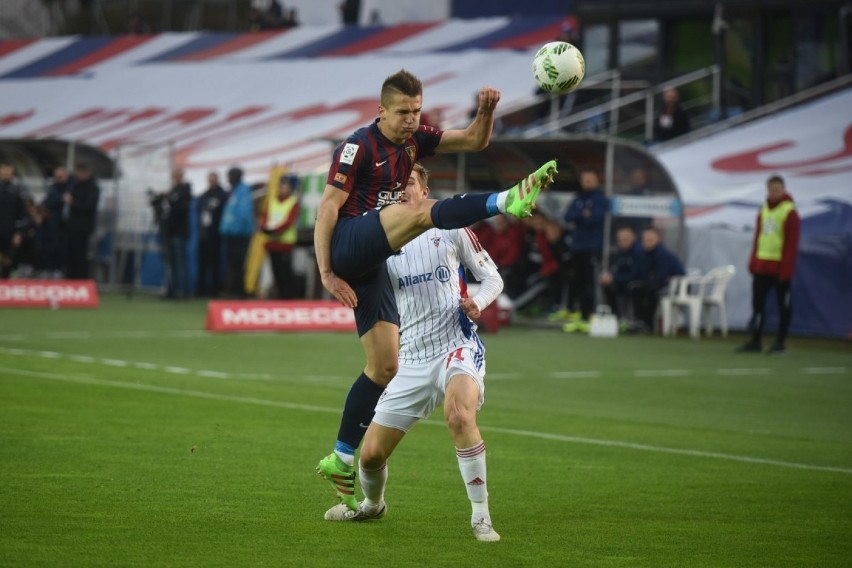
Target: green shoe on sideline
341, 476
521, 199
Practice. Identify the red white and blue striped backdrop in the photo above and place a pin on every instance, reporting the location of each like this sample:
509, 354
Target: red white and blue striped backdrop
254, 98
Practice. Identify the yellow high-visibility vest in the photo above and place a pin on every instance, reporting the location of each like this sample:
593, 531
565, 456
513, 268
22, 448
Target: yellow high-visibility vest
277, 213
770, 242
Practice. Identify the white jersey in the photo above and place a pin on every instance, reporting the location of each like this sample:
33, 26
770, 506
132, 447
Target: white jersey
428, 280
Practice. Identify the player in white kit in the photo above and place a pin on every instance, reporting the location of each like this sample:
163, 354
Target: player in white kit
441, 359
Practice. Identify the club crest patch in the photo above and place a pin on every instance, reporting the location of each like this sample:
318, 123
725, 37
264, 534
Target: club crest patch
436, 241
412, 153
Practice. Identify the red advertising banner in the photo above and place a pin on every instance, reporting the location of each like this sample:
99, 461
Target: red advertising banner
48, 294
293, 315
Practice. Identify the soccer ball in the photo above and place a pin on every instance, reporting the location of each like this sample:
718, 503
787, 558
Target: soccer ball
558, 67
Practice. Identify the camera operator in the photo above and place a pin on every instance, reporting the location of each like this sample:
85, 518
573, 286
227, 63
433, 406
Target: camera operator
171, 211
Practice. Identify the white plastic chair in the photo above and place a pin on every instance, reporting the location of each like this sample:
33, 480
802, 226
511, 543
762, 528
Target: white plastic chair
716, 282
685, 292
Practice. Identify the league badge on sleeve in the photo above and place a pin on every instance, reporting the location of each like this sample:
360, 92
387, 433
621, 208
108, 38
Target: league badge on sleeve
348, 154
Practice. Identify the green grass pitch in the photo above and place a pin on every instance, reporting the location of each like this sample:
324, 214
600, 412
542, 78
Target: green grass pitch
130, 437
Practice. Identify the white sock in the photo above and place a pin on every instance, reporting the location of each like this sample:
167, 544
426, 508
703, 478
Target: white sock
501, 200
348, 459
472, 468
373, 485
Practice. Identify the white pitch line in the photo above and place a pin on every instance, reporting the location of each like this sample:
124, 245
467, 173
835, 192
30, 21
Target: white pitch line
68, 335
213, 374
575, 374
738, 372
663, 373
510, 431
115, 363
824, 370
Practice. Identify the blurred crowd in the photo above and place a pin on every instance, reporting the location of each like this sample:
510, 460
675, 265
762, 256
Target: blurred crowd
50, 238
552, 265
555, 266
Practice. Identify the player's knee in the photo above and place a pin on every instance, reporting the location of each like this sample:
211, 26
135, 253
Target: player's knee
384, 371
372, 456
459, 421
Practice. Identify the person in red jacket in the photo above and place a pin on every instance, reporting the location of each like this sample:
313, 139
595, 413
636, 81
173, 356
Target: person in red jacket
772, 263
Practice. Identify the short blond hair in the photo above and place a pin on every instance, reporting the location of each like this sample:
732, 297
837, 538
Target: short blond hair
422, 173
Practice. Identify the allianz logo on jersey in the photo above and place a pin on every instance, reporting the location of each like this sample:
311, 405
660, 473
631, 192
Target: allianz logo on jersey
441, 274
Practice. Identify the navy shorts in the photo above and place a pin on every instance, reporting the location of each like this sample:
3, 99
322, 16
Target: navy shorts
359, 249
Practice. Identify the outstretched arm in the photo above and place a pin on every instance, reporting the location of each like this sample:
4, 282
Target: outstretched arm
477, 135
327, 213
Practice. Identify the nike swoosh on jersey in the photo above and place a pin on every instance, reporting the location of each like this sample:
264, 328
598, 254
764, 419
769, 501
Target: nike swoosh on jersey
381, 163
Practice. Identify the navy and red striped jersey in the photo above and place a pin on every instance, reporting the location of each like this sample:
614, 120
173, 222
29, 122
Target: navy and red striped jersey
373, 170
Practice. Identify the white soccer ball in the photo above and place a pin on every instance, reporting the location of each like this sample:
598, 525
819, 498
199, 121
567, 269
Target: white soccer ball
558, 67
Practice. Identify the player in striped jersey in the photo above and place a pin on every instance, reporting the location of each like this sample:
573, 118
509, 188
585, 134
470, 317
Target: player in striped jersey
360, 224
441, 360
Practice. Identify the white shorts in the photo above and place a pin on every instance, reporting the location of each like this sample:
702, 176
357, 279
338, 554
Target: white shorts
419, 389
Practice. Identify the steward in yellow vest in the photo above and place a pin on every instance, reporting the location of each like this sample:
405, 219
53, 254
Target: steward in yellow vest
772, 263
279, 223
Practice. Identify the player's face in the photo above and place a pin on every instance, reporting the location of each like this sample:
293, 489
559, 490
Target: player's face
401, 117
415, 190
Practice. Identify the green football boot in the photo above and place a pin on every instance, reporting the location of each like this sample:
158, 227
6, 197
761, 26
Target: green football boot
341, 476
521, 199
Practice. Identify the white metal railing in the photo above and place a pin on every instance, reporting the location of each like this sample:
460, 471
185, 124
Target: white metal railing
611, 80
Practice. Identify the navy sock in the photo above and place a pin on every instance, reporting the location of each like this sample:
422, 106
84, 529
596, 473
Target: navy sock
358, 412
462, 210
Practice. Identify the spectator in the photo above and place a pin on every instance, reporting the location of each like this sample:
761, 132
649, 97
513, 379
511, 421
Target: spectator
349, 10
658, 266
292, 19
12, 213
672, 121
237, 227
638, 186
586, 213
53, 228
279, 222
504, 241
136, 24
179, 199
548, 244
210, 206
622, 283
82, 202
772, 263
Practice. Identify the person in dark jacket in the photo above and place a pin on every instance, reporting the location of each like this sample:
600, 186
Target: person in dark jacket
52, 235
672, 121
658, 266
82, 202
622, 283
772, 263
12, 213
177, 234
210, 206
586, 214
